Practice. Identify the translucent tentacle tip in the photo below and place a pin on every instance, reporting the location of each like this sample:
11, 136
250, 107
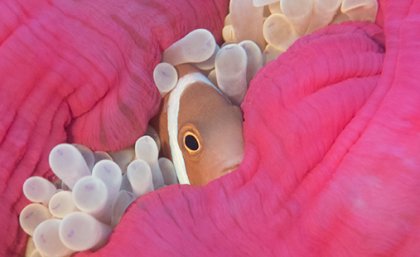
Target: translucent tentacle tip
196, 46
68, 164
33, 215
62, 204
90, 195
80, 231
38, 189
47, 241
165, 77
140, 177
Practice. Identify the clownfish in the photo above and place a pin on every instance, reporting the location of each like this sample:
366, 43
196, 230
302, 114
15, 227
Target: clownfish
199, 128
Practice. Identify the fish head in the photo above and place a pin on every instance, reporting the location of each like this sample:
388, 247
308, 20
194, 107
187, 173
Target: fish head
200, 131
209, 133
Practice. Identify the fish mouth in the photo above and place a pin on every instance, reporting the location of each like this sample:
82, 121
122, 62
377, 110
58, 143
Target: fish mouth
230, 168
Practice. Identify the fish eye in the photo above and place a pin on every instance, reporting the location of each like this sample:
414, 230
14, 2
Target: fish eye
191, 142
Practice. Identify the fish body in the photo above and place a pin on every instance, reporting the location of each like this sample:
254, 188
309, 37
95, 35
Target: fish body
200, 129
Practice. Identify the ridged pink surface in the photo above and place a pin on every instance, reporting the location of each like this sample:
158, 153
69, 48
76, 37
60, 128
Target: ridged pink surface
79, 71
331, 166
